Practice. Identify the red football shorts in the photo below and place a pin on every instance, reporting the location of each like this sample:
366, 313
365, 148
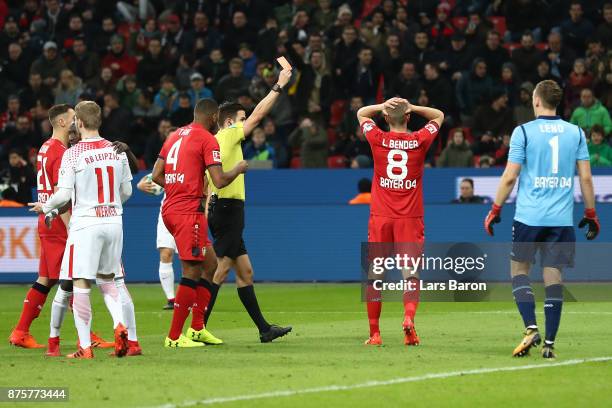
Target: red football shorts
51, 253
384, 229
190, 232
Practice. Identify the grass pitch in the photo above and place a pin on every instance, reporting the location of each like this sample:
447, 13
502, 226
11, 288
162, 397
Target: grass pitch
464, 359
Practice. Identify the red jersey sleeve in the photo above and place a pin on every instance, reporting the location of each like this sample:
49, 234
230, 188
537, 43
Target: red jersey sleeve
211, 151
164, 150
371, 132
427, 134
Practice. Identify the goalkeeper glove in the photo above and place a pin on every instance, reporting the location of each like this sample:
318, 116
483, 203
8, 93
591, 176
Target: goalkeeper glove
590, 219
493, 217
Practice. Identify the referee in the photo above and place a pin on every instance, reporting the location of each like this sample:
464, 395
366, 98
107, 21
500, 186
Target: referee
226, 208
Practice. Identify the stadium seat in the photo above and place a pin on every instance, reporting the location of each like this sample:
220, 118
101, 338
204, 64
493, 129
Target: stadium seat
499, 24
337, 112
476, 161
368, 7
141, 164
459, 22
296, 163
511, 46
336, 162
542, 46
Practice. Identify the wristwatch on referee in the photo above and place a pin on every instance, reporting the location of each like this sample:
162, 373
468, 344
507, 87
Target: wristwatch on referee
277, 88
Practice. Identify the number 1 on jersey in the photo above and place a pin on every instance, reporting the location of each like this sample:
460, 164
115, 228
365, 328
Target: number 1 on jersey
554, 145
110, 171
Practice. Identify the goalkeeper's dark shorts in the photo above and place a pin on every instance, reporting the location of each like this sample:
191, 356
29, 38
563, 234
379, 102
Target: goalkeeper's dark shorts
226, 223
556, 245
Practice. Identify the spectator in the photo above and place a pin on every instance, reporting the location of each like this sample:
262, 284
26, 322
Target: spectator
442, 30
363, 79
13, 66
349, 124
495, 117
213, 68
361, 162
466, 193
560, 57
391, 58
152, 66
364, 186
167, 93
458, 58
472, 88
346, 57
128, 91
373, 31
35, 90
249, 60
477, 28
578, 80
523, 111
69, 88
266, 36
509, 82
102, 39
8, 118
118, 60
599, 151
175, 40
49, 65
203, 38
527, 56
543, 73
313, 94
439, 90
281, 112
493, 54
139, 41
19, 176
103, 84
83, 63
115, 119
604, 30
10, 35
155, 142
324, 16
184, 71
407, 85
232, 84
591, 112
576, 29
239, 32
485, 145
258, 148
343, 21
183, 114
146, 109
22, 138
457, 152
277, 141
501, 154
312, 141
197, 90
422, 51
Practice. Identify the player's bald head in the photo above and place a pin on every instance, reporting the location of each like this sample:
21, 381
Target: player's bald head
396, 116
205, 112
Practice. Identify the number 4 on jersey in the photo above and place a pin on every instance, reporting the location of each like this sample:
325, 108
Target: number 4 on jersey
173, 154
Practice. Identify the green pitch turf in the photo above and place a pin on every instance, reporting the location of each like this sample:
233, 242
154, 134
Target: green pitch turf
323, 363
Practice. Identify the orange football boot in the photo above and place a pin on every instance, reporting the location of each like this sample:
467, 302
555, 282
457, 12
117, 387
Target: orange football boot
85, 354
374, 340
99, 342
19, 338
121, 340
410, 335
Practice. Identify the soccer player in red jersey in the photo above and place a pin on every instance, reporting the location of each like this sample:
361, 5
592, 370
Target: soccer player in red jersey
184, 157
53, 239
396, 210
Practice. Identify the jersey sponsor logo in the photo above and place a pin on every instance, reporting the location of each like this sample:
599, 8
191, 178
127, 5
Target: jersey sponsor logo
172, 178
216, 156
431, 128
367, 127
552, 182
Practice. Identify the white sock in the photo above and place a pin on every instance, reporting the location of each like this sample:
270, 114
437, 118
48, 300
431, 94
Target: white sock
127, 306
82, 315
58, 311
166, 278
111, 299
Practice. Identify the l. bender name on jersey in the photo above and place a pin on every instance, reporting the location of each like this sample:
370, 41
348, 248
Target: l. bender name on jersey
397, 160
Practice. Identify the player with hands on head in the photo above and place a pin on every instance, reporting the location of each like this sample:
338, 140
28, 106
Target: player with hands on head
396, 210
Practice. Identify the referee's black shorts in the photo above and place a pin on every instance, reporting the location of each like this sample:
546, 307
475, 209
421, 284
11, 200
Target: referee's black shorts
226, 223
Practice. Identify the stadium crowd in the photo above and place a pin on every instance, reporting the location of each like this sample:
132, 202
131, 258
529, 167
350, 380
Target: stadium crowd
148, 62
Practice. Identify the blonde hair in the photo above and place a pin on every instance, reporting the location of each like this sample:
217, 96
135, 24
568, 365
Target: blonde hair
90, 114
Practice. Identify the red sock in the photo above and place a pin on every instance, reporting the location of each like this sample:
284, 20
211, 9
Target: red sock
411, 299
199, 307
374, 308
184, 300
32, 305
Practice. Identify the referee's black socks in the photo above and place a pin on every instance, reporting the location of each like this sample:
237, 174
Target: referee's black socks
249, 300
213, 288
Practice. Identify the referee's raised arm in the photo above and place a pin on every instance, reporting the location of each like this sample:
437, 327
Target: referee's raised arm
264, 106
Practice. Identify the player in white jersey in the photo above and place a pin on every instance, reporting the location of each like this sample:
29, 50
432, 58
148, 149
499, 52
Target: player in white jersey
100, 179
165, 244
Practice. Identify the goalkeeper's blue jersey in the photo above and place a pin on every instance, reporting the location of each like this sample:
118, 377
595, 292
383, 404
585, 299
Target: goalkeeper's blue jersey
547, 149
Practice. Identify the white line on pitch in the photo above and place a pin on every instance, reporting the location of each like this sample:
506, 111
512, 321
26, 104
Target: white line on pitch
380, 383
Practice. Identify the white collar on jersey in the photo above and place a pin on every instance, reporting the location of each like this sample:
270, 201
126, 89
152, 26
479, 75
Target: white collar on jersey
91, 139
